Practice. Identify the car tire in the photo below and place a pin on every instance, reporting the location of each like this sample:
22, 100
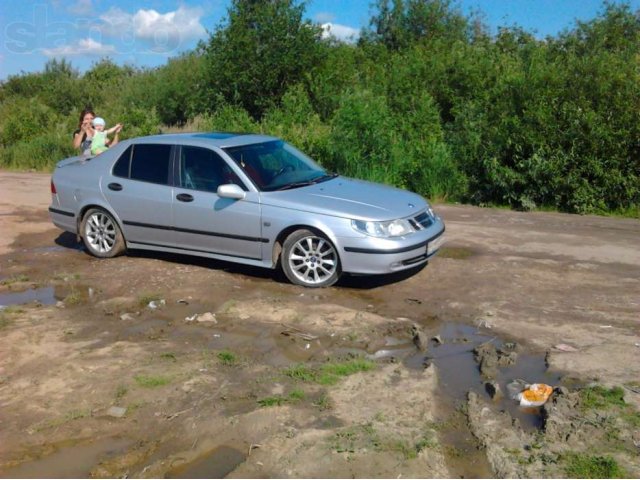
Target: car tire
101, 234
309, 259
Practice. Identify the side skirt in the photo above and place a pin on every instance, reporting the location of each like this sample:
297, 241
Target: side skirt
256, 262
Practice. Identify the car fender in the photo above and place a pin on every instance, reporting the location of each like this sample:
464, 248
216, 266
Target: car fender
93, 201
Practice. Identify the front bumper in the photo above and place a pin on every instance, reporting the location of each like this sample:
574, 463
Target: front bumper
369, 255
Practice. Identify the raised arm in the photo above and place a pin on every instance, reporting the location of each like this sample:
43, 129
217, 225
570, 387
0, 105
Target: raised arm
115, 128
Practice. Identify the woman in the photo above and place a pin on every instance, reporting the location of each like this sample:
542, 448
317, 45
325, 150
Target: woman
84, 134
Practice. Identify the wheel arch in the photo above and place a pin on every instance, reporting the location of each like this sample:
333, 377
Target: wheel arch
285, 232
83, 211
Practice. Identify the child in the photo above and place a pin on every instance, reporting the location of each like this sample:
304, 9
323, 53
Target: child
100, 141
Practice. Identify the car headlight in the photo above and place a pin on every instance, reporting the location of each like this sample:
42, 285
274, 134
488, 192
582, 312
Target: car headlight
394, 228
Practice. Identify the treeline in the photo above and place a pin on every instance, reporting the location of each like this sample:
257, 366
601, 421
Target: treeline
426, 99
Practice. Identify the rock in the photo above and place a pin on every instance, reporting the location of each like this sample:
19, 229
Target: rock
153, 304
494, 391
420, 340
60, 304
207, 317
561, 391
506, 358
117, 412
126, 316
437, 339
487, 357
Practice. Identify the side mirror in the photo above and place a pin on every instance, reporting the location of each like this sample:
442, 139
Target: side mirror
231, 190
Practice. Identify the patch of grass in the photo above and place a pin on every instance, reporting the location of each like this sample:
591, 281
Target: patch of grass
631, 418
169, 356
296, 395
301, 372
12, 309
323, 403
56, 422
457, 253
146, 298
403, 447
580, 465
151, 381
4, 320
344, 441
74, 298
273, 401
227, 358
330, 373
600, 397
121, 391
15, 279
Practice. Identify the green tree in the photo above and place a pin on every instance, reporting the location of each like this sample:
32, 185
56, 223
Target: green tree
264, 47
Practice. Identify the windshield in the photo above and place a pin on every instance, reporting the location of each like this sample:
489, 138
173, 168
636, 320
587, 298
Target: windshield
276, 165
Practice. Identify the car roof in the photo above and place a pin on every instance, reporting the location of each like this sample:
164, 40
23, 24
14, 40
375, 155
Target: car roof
218, 139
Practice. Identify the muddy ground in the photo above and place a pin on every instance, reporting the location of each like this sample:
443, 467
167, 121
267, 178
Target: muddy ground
153, 365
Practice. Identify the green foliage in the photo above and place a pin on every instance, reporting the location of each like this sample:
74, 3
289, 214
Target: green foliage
262, 48
294, 396
579, 465
329, 373
426, 100
15, 279
227, 358
600, 397
151, 381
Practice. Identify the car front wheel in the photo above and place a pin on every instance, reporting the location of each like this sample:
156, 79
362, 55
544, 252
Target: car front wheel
101, 234
309, 259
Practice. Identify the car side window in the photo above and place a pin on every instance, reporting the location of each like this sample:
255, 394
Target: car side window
121, 168
203, 169
150, 163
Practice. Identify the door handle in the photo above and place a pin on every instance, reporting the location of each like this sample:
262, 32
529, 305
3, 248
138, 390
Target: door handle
116, 187
184, 197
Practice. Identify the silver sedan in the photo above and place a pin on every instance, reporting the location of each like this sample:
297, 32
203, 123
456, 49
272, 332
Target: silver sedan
249, 199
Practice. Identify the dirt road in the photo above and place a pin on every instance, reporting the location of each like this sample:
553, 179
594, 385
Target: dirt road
172, 366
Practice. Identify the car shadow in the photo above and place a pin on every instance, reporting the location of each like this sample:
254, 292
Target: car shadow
360, 282
69, 240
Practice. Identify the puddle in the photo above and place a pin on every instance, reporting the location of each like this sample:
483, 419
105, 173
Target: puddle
70, 462
217, 463
458, 371
44, 295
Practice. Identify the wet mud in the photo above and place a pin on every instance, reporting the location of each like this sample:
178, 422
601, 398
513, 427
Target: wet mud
154, 366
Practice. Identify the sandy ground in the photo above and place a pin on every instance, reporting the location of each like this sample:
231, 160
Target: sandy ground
218, 395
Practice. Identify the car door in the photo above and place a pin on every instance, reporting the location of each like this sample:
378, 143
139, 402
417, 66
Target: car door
140, 191
206, 222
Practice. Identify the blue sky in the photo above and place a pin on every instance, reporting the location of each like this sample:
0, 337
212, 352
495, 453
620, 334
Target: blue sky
145, 34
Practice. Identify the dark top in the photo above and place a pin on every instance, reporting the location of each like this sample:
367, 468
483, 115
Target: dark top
85, 145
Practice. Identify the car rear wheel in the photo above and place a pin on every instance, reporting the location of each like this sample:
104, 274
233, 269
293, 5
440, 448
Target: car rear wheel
101, 234
309, 259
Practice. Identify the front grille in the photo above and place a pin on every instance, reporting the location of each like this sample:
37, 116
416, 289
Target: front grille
422, 221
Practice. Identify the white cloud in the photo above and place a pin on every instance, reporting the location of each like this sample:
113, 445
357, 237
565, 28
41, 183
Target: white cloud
85, 46
81, 7
340, 32
181, 24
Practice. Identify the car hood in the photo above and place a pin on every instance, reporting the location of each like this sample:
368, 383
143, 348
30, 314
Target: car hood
349, 198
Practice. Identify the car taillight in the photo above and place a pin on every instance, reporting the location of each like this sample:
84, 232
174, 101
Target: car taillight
53, 187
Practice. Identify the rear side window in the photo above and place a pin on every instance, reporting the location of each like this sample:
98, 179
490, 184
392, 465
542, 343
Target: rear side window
121, 168
150, 163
